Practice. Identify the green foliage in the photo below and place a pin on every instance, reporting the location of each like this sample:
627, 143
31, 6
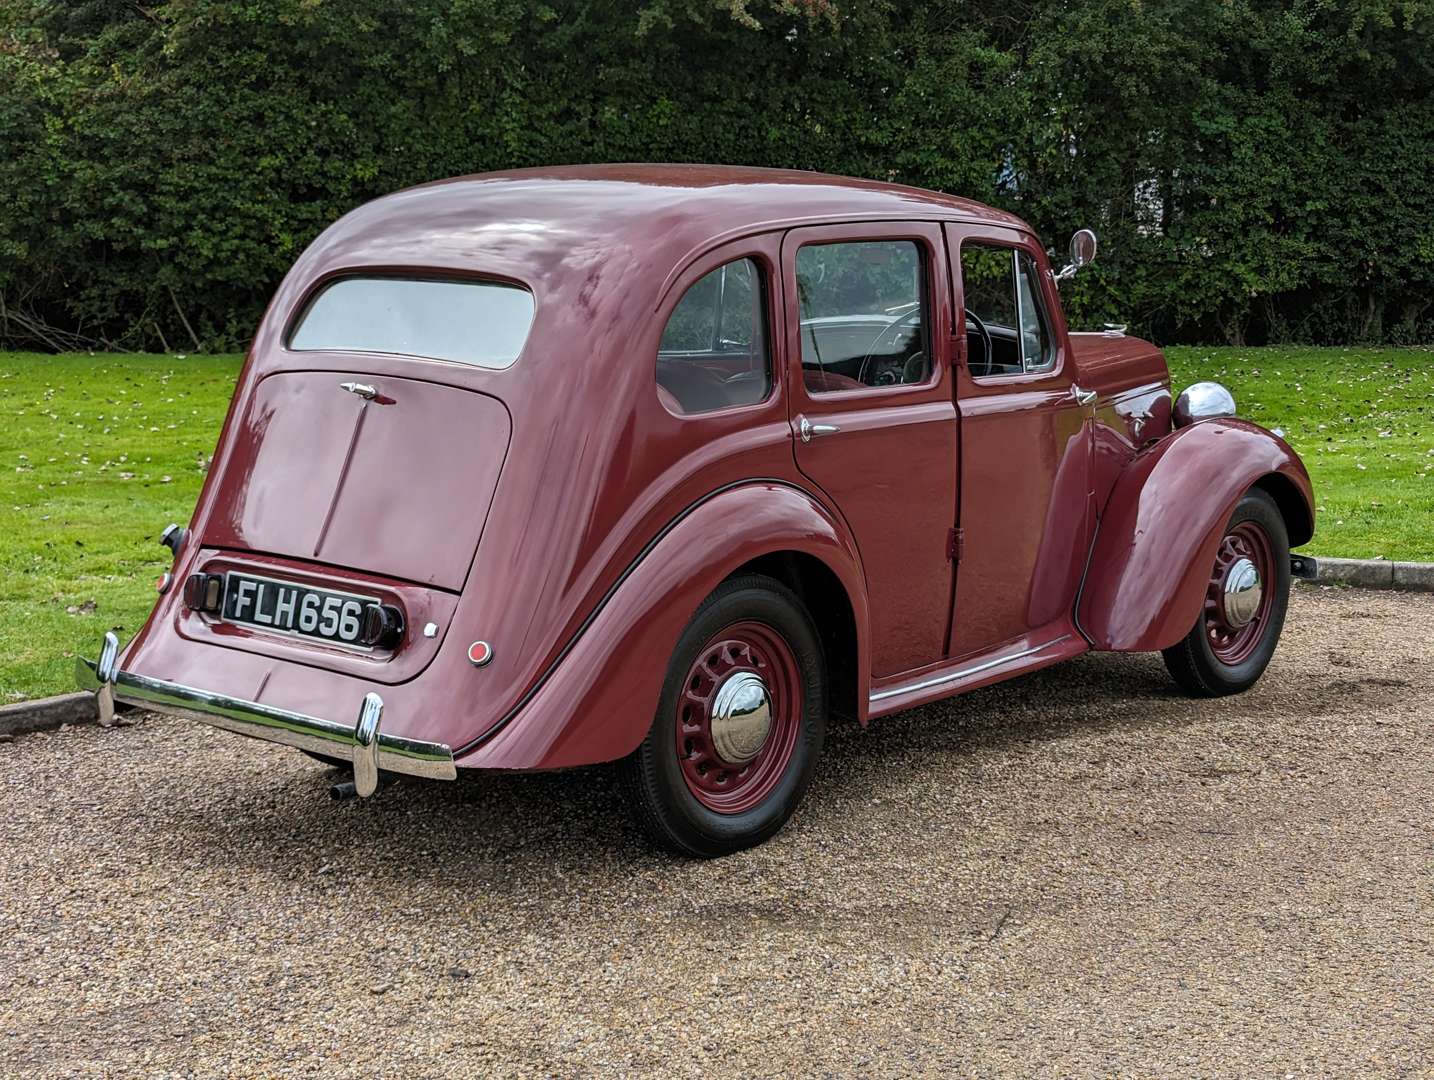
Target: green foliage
1257, 170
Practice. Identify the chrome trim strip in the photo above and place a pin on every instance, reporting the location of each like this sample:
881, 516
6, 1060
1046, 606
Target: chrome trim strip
956, 676
362, 743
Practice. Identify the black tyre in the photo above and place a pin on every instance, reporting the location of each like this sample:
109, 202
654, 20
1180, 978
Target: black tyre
739, 725
1234, 638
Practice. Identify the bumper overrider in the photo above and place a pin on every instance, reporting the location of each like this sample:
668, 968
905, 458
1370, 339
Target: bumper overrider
361, 742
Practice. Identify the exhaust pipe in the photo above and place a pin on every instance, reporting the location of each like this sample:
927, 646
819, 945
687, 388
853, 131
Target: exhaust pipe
348, 789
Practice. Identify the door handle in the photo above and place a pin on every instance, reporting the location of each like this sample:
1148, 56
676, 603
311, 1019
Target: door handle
1083, 397
810, 431
363, 390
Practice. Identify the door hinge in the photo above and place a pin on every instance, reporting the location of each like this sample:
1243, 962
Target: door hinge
956, 544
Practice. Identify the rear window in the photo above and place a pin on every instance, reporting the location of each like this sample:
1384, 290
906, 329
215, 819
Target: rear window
483, 323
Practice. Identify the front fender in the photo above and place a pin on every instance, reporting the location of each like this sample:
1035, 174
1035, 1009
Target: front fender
597, 703
1163, 522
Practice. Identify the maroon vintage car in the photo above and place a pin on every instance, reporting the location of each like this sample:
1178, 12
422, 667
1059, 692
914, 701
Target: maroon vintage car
673, 466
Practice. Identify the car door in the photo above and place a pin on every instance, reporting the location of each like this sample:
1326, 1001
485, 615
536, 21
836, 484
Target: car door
1027, 511
869, 324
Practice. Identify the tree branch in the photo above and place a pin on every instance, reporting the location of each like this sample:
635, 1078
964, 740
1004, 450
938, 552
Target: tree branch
192, 335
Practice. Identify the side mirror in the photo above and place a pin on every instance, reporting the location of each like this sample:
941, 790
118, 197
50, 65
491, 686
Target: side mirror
1083, 248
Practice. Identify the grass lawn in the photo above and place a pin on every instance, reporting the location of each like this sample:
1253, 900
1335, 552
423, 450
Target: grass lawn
1363, 421
98, 453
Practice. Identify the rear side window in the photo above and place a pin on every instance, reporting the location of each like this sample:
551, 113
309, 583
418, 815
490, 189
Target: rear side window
482, 323
863, 312
713, 353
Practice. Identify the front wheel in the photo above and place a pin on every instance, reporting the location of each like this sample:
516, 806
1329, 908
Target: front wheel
1234, 638
739, 725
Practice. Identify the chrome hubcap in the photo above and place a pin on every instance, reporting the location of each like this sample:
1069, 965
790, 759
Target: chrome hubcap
741, 717
1240, 598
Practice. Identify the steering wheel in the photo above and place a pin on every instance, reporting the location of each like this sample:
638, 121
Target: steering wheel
913, 314
971, 317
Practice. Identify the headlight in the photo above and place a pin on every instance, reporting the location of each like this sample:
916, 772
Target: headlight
1201, 401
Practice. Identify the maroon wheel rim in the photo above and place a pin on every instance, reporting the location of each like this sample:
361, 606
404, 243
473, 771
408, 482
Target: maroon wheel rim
719, 784
1230, 641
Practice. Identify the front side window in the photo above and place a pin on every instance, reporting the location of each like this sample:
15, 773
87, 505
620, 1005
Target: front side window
863, 315
713, 353
482, 323
1007, 332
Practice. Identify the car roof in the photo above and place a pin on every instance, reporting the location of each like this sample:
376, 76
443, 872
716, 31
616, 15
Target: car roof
705, 191
533, 224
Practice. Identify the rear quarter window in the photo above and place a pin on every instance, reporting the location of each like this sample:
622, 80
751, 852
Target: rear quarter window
481, 323
714, 353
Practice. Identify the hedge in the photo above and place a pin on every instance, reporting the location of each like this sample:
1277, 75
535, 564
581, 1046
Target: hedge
1257, 171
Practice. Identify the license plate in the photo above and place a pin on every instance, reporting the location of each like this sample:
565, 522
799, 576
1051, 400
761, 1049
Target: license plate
294, 609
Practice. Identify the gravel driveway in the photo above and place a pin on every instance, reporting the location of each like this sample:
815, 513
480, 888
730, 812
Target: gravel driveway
1077, 873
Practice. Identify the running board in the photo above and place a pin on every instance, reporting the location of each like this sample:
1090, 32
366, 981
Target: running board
974, 671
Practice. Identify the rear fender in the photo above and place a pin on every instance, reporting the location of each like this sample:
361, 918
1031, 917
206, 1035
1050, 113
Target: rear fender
598, 702
1164, 520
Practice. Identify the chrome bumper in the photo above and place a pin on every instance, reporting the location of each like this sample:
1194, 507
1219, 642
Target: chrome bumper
361, 742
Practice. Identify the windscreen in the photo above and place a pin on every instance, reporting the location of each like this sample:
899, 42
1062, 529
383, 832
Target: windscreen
483, 323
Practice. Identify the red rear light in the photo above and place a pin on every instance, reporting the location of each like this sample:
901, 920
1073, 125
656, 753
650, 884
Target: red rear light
203, 592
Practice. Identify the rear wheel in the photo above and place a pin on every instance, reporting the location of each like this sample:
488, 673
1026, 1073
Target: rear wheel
739, 725
1233, 640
